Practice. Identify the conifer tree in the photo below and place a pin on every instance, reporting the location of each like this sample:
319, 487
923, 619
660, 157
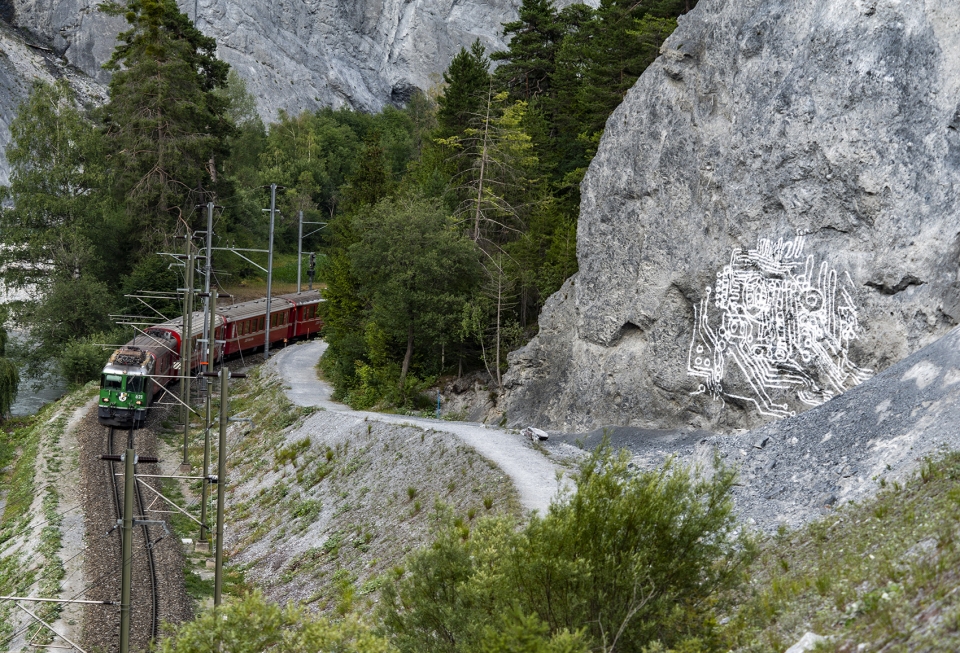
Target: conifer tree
467, 79
165, 125
529, 62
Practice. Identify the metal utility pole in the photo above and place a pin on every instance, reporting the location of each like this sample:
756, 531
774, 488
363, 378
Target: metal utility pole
205, 491
186, 354
208, 272
221, 484
273, 211
126, 550
299, 250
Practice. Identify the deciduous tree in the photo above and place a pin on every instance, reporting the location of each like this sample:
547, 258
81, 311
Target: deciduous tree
416, 269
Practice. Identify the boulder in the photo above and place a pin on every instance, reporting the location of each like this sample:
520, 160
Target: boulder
771, 218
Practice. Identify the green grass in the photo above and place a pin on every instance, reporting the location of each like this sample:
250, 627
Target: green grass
20, 443
885, 573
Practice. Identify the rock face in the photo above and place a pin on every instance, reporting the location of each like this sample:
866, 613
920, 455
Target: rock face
20, 64
294, 56
302, 55
845, 450
772, 217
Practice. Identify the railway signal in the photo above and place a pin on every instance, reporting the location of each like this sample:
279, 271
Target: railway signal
312, 268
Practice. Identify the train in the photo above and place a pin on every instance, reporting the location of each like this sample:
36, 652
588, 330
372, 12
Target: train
137, 373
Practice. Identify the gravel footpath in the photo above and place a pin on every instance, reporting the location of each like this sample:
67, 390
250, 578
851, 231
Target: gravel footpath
791, 471
101, 624
534, 476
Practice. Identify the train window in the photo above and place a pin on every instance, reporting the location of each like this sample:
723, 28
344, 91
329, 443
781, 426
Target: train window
111, 382
260, 324
135, 384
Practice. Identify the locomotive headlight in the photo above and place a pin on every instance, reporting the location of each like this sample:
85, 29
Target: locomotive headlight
106, 399
139, 402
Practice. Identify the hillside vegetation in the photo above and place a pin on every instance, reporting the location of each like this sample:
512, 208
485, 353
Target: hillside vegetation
440, 228
649, 562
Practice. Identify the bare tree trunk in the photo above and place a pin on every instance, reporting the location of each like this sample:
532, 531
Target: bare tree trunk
499, 302
408, 356
483, 168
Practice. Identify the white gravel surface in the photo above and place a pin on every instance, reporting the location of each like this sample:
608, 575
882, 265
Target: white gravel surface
533, 474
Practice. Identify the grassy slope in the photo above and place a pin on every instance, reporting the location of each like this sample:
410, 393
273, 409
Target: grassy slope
30, 537
882, 575
322, 507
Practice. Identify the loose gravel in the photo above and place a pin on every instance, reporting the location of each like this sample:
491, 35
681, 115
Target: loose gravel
102, 564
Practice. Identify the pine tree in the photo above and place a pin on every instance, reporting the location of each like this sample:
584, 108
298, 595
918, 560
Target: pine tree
529, 62
165, 124
467, 79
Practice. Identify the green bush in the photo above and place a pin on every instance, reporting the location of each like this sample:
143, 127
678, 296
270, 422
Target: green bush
625, 562
81, 360
251, 625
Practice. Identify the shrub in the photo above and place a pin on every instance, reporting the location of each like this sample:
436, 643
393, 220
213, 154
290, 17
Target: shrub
626, 561
82, 360
252, 624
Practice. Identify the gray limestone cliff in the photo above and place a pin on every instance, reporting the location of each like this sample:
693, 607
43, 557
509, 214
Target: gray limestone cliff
773, 216
297, 56
23, 60
294, 56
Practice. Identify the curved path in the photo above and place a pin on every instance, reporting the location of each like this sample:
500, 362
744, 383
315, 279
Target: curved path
534, 476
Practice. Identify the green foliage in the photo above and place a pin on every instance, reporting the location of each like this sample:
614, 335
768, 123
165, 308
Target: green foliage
402, 283
164, 123
496, 158
82, 359
624, 562
251, 624
72, 311
530, 63
468, 81
50, 231
9, 375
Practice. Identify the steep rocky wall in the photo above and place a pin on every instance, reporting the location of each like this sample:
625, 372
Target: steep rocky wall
771, 218
301, 55
20, 65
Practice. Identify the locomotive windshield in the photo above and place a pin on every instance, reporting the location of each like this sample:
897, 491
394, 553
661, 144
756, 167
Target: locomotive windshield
111, 382
135, 384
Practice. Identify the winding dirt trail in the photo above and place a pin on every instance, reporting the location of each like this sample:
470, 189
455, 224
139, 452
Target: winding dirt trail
534, 476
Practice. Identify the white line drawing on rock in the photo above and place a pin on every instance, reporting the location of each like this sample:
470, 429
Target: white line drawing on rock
785, 325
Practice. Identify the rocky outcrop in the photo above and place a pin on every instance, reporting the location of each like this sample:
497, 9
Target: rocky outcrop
297, 56
773, 216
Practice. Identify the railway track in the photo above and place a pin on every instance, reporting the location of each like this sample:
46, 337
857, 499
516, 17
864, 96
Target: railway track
144, 543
